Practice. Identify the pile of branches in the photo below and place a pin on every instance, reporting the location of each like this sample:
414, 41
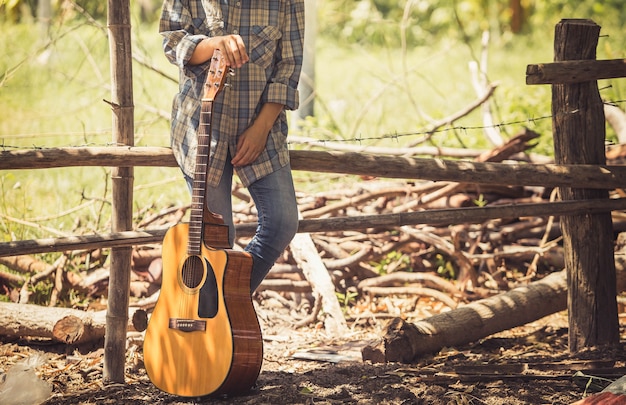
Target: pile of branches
475, 255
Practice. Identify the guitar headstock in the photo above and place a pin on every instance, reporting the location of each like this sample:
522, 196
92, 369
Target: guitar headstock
216, 77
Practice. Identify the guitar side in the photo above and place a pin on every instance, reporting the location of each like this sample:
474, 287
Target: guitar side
244, 324
225, 355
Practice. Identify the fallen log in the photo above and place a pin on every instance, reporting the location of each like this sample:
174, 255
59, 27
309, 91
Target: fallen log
285, 285
403, 342
64, 325
403, 278
24, 264
307, 257
413, 291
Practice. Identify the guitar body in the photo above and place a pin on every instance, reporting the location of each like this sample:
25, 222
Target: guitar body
203, 336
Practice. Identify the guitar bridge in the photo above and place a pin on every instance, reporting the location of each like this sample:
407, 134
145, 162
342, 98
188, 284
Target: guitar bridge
187, 325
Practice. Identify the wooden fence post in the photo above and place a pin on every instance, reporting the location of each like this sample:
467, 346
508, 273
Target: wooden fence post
122, 189
579, 135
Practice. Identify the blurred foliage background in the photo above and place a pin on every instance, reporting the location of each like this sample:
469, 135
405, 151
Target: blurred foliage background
385, 70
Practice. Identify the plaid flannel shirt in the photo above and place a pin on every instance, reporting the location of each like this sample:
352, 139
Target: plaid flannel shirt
273, 32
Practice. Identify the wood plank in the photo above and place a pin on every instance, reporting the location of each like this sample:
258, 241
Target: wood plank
19, 159
513, 174
122, 176
575, 71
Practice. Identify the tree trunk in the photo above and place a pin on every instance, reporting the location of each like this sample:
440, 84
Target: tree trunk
517, 16
306, 86
44, 17
403, 341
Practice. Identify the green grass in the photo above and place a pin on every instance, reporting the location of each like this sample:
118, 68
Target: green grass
364, 95
388, 92
60, 102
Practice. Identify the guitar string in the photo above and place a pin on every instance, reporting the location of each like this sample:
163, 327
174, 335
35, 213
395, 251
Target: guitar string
195, 272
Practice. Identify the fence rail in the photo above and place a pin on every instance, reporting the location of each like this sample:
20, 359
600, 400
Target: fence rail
430, 217
435, 169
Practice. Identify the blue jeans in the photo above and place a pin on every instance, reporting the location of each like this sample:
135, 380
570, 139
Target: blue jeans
275, 200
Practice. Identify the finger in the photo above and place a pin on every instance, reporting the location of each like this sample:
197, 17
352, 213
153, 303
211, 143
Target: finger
239, 157
237, 50
237, 59
226, 47
240, 161
244, 158
241, 47
230, 55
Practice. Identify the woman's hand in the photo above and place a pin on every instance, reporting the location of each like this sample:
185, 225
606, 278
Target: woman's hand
232, 47
250, 145
252, 141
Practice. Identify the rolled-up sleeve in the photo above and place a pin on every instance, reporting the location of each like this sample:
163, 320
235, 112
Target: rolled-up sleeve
283, 87
179, 36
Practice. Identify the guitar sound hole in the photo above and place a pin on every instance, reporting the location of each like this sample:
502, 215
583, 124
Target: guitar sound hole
192, 272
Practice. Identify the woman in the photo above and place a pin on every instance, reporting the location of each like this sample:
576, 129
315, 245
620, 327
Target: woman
263, 42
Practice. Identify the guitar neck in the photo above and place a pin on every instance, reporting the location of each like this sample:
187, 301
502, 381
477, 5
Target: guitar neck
198, 198
200, 214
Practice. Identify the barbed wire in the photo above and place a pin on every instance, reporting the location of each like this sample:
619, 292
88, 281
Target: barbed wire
394, 136
463, 128
443, 129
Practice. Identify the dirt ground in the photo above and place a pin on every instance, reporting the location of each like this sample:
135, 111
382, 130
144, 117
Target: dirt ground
526, 365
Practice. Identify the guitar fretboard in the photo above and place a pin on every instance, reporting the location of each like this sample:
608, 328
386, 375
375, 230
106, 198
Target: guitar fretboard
198, 197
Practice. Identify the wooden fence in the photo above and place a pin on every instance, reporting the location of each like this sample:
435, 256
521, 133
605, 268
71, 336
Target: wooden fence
590, 176
580, 173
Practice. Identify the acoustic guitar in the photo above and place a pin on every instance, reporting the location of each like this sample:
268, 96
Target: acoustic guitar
203, 336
